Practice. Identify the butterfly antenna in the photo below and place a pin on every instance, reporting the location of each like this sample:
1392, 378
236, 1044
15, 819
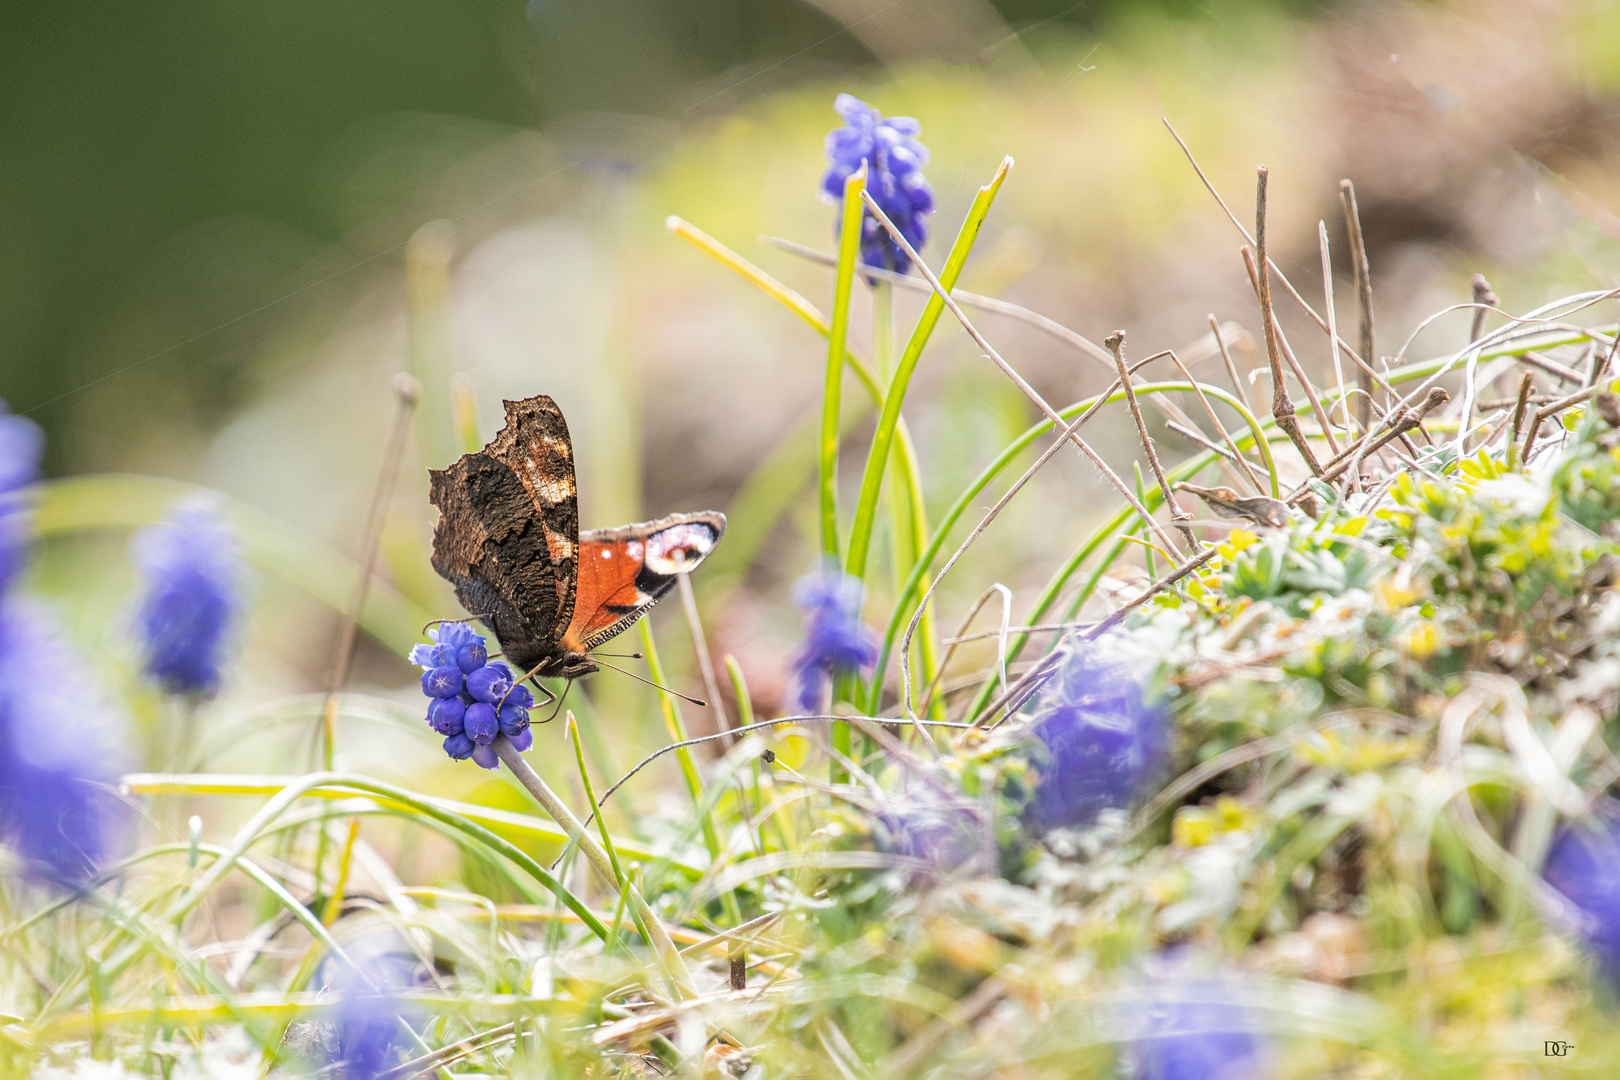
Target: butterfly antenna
623, 655
649, 682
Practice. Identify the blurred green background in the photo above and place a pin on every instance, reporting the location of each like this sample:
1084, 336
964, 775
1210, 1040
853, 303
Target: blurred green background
207, 215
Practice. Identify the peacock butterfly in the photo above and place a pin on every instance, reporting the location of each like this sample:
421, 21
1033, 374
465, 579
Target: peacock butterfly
508, 539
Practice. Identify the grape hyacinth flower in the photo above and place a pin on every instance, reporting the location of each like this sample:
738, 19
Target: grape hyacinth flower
191, 597
1196, 1031
1103, 734
55, 809
894, 163
1583, 863
835, 639
369, 1035
472, 698
22, 444
943, 836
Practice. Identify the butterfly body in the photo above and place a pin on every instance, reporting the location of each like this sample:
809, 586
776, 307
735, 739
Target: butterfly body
508, 539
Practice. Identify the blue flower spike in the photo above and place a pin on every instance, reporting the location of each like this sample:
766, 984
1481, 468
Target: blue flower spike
191, 597
473, 698
1196, 1029
835, 639
1583, 863
894, 163
1104, 733
54, 807
22, 445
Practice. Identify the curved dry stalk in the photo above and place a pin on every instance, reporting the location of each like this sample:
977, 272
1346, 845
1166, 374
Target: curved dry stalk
1364, 299
1115, 343
1007, 369
1282, 406
1203, 399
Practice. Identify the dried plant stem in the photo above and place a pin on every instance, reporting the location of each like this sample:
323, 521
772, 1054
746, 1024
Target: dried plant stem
1209, 409
1526, 384
963, 297
1151, 591
700, 645
1553, 408
1275, 269
1486, 299
657, 936
1018, 380
1364, 306
984, 523
1604, 365
1115, 344
1331, 311
1282, 406
406, 392
1551, 367
1404, 420
1226, 357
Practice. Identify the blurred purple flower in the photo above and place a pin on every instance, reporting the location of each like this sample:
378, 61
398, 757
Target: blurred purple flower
1583, 863
895, 160
192, 594
1103, 735
835, 639
472, 697
370, 1012
55, 809
22, 444
1195, 1031
927, 827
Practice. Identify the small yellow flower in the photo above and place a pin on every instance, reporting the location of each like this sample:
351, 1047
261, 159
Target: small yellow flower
1419, 641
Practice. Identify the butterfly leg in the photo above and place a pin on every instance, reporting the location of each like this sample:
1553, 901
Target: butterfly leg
468, 619
566, 687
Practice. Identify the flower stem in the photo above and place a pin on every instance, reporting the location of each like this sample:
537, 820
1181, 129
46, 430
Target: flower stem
849, 250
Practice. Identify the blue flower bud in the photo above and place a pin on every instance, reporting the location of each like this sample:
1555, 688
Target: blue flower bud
459, 747
444, 715
191, 598
522, 740
441, 655
489, 683
485, 756
471, 657
519, 695
513, 718
480, 723
835, 641
455, 634
441, 682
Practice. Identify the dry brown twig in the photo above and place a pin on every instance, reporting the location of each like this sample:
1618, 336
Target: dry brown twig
1008, 370
1115, 343
1364, 308
1231, 368
1282, 406
1294, 365
1404, 420
1484, 297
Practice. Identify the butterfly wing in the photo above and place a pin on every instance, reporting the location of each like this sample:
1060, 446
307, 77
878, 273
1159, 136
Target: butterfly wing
508, 530
623, 572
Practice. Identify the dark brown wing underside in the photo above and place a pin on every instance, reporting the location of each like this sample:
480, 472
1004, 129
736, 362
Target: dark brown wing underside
508, 531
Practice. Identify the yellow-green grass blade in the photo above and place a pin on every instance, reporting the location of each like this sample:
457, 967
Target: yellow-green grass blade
126, 501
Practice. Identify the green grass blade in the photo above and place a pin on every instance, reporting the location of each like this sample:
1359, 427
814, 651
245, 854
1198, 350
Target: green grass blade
849, 253
590, 799
877, 459
119, 501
